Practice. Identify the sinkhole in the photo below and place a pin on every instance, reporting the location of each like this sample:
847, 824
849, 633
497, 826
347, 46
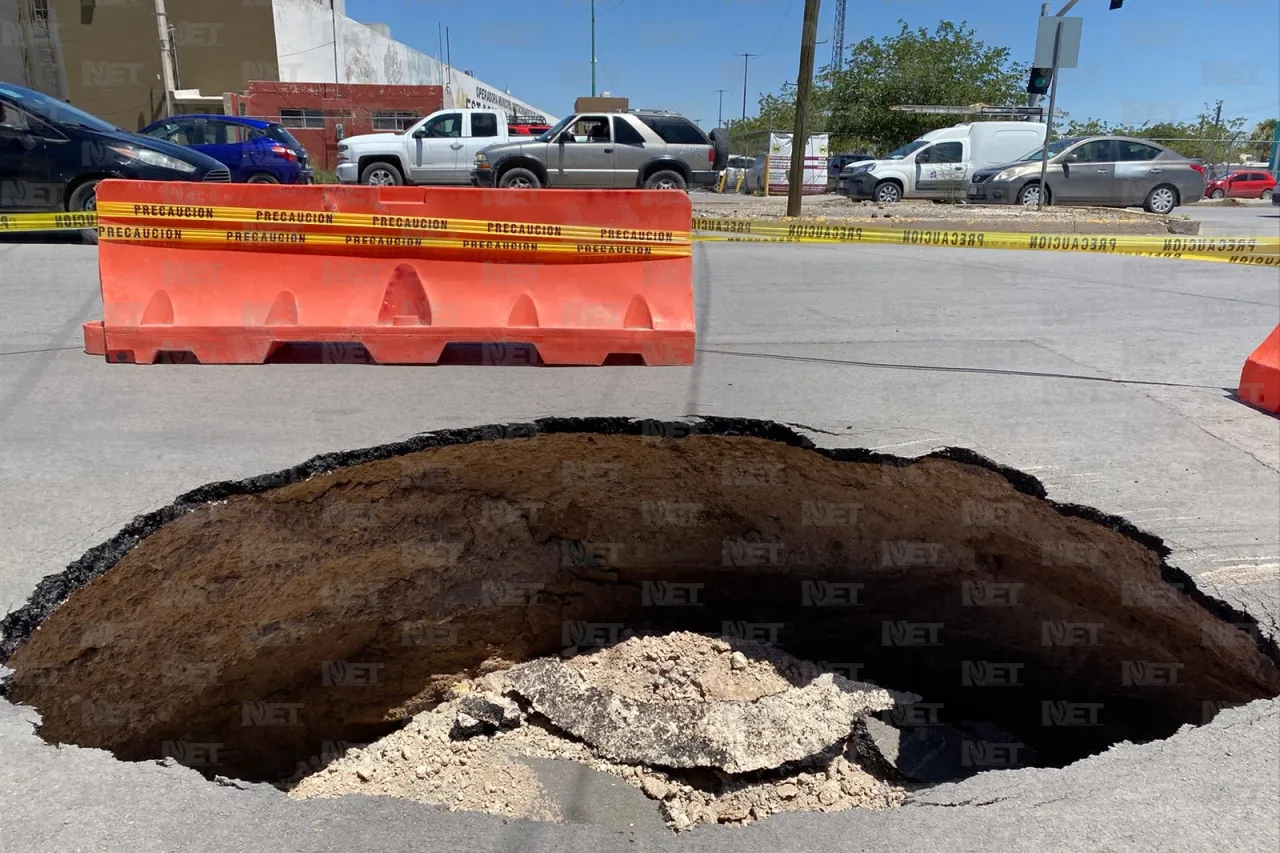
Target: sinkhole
328, 604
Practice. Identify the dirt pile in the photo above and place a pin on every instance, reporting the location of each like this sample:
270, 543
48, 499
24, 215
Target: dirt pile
698, 702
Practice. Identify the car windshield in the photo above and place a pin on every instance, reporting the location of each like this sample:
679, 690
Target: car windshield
899, 153
55, 111
1055, 148
548, 135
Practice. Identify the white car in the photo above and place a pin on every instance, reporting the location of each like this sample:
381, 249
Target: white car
439, 149
735, 171
940, 163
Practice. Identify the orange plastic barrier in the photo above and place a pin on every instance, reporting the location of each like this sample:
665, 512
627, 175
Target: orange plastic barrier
579, 274
1260, 378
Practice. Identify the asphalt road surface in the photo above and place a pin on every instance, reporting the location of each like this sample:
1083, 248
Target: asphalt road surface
1108, 378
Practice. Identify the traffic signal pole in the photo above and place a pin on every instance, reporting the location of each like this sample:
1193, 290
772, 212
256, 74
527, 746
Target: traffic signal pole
1032, 99
1048, 121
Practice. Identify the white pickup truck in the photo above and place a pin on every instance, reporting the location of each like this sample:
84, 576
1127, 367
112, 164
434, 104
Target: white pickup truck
439, 149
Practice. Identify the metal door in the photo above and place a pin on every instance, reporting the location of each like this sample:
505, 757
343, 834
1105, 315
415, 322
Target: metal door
585, 157
1137, 170
629, 154
1088, 174
436, 149
940, 169
481, 132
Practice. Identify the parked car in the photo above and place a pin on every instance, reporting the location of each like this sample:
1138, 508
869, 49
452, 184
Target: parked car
438, 149
838, 161
1242, 184
256, 151
735, 171
837, 164
938, 164
637, 148
753, 180
1111, 171
52, 155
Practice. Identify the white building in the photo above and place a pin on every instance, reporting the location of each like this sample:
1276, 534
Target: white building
366, 53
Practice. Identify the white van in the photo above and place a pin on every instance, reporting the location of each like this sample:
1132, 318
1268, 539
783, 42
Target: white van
940, 163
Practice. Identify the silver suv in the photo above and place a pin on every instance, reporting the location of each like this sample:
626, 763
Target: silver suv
621, 150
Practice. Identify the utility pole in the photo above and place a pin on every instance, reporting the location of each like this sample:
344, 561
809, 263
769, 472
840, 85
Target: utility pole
593, 48
745, 58
333, 20
1213, 142
804, 86
166, 58
720, 110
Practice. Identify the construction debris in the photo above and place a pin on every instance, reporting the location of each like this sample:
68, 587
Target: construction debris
710, 732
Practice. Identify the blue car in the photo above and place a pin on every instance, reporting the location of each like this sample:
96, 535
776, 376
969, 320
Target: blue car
256, 151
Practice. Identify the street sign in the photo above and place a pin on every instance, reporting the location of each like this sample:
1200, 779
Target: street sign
1068, 49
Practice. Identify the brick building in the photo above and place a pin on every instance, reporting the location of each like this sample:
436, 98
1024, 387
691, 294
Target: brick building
319, 114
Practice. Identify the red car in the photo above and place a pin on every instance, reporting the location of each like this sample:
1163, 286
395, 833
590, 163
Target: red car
1242, 184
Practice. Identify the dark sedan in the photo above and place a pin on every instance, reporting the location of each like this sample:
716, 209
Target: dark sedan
52, 155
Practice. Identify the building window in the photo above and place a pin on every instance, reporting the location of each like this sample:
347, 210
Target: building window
302, 118
396, 120
40, 10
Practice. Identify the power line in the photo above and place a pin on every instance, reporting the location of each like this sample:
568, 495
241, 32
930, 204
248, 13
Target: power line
785, 15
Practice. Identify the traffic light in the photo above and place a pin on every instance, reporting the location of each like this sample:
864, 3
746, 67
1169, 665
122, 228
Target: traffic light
1039, 82
1116, 4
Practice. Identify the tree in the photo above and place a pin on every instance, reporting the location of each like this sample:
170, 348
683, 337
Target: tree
1202, 138
948, 66
1264, 132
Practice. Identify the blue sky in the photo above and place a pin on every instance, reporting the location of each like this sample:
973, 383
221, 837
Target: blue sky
1152, 59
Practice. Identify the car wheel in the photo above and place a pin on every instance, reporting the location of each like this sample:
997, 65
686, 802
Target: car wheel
84, 199
887, 192
1161, 199
1029, 196
1216, 194
519, 179
262, 178
381, 175
665, 180
1266, 195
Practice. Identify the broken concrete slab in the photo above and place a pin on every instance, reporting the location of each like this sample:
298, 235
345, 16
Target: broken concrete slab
732, 736
485, 712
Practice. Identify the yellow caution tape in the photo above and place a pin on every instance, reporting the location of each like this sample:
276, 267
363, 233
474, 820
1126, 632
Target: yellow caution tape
47, 221
583, 239
426, 224
801, 231
242, 237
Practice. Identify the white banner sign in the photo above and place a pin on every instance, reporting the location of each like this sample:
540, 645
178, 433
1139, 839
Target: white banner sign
815, 163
